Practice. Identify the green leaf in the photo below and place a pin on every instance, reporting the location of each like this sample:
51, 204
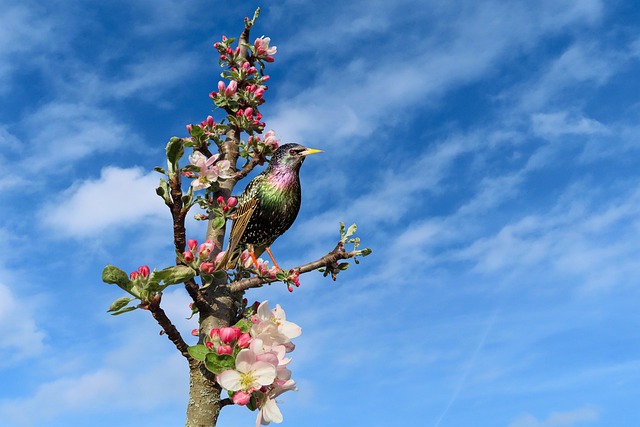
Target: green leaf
173, 275
164, 191
124, 310
119, 304
190, 168
343, 266
218, 222
114, 276
159, 169
244, 325
196, 131
175, 150
352, 229
199, 352
217, 363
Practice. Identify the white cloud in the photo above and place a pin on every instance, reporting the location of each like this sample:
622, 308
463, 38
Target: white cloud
20, 337
580, 416
119, 198
138, 376
561, 123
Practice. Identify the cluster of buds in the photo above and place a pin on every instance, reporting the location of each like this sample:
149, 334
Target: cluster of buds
227, 205
250, 359
264, 146
290, 277
262, 268
140, 274
197, 256
227, 53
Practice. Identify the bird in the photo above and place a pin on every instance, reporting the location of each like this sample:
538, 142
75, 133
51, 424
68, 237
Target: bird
268, 206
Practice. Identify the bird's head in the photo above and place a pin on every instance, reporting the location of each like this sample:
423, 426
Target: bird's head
291, 155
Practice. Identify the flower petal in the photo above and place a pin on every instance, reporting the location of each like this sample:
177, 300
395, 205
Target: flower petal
244, 360
229, 380
271, 412
263, 372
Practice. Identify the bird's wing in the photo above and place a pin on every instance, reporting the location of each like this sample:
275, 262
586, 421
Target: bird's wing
246, 206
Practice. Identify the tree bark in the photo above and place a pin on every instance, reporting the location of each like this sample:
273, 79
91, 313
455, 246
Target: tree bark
205, 401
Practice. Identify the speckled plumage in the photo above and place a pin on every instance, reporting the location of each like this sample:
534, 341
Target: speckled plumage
270, 203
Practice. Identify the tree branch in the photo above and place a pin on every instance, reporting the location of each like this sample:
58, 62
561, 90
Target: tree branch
169, 328
331, 258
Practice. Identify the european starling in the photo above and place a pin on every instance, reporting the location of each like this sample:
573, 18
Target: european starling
268, 206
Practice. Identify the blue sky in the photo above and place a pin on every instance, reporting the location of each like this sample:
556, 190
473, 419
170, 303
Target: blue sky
488, 152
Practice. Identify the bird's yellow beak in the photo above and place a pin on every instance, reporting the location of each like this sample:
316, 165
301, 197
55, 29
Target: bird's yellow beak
310, 151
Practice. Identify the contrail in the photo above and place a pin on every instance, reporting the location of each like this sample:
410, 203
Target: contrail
458, 388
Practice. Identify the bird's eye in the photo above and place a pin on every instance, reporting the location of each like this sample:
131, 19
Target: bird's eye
293, 152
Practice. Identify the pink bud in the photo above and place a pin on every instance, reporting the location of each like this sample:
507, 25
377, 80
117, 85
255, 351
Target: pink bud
195, 332
259, 91
225, 209
207, 267
233, 86
144, 271
205, 249
134, 275
244, 340
269, 58
221, 86
188, 256
213, 94
248, 112
223, 57
210, 121
189, 129
219, 256
214, 332
241, 397
265, 78
225, 349
227, 335
232, 201
209, 344
192, 244
224, 38
216, 45
220, 200
229, 51
237, 50
245, 65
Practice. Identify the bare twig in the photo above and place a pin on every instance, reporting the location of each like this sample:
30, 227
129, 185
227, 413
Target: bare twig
169, 328
331, 258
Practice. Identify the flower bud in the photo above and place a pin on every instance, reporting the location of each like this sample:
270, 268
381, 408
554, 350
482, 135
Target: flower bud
209, 344
233, 86
227, 335
220, 200
214, 332
206, 267
225, 349
210, 121
244, 340
134, 275
189, 129
232, 202
192, 244
188, 256
241, 397
144, 271
195, 332
221, 86
248, 112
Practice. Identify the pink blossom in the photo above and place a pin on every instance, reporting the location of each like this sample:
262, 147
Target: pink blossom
195, 332
134, 275
210, 121
250, 374
232, 201
214, 332
210, 169
192, 244
205, 249
209, 344
241, 397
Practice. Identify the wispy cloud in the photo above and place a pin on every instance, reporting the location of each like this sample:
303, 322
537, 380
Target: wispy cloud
119, 198
575, 417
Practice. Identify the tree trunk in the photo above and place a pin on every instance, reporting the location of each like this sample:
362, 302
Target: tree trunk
204, 393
